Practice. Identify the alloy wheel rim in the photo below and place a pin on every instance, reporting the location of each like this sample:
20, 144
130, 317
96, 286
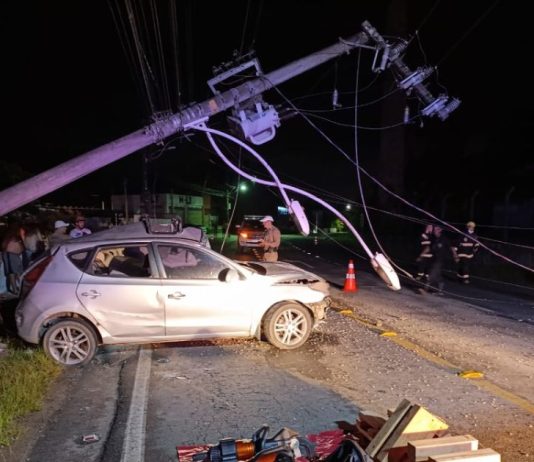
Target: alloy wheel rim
69, 345
290, 327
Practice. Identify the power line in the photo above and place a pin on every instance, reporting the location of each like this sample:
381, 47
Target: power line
397, 196
244, 29
464, 36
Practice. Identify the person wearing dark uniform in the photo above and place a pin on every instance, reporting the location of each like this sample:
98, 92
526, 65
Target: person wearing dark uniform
440, 247
271, 239
466, 248
425, 254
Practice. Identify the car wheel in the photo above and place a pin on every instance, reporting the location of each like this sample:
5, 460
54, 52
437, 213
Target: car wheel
287, 326
70, 342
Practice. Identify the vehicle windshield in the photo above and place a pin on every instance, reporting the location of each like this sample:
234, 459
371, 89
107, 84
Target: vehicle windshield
259, 269
252, 224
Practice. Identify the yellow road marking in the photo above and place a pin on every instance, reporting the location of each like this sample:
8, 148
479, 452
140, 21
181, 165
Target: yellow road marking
471, 374
388, 333
505, 394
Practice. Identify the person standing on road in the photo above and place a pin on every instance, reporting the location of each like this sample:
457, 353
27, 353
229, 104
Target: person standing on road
466, 248
440, 247
425, 255
79, 229
271, 239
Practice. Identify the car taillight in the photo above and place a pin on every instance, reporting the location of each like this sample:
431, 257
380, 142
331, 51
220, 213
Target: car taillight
35, 273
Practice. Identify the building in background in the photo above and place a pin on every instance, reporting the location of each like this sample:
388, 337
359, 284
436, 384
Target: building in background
193, 210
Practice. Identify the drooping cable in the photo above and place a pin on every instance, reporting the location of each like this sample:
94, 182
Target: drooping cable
468, 31
175, 40
361, 127
141, 58
129, 53
234, 207
368, 103
425, 19
282, 187
244, 30
378, 262
256, 25
358, 171
160, 55
397, 196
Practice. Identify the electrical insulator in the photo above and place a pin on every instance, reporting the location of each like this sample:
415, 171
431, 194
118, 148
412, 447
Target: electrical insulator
416, 78
406, 114
396, 50
451, 106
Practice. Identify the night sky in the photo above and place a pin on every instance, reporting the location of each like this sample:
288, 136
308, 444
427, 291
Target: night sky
71, 88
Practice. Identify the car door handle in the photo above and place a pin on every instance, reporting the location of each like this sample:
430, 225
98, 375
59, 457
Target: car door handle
176, 295
91, 294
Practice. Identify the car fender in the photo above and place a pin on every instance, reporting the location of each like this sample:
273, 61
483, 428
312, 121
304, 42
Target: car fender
47, 318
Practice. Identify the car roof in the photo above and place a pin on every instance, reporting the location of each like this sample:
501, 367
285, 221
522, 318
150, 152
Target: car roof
133, 231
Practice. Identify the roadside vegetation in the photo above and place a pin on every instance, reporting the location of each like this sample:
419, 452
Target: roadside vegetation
25, 375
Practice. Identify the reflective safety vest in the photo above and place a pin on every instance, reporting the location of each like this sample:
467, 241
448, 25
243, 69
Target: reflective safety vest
466, 246
426, 250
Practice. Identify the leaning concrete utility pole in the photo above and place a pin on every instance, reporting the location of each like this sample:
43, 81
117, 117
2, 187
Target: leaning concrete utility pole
67, 172
257, 125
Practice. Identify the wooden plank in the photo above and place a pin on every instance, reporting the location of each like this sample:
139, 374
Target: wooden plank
391, 441
482, 455
420, 450
387, 429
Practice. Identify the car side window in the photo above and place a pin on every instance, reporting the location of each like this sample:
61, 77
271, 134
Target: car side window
122, 261
181, 262
79, 258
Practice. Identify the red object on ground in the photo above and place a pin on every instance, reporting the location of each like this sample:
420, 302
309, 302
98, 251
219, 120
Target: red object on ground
326, 442
350, 280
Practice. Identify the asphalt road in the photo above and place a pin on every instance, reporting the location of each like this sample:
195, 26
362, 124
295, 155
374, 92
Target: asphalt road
142, 403
328, 258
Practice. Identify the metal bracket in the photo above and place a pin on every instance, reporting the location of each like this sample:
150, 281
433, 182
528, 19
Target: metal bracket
231, 72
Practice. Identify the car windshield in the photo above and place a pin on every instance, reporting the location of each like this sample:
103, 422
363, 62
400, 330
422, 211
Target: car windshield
252, 224
254, 267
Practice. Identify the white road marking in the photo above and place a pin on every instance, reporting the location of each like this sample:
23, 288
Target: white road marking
133, 449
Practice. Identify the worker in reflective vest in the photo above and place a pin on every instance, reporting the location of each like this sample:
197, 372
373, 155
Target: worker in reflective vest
425, 254
466, 248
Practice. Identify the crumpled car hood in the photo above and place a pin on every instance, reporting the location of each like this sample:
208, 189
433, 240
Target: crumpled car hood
287, 273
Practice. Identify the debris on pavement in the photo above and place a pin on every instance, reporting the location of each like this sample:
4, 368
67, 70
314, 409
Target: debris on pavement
409, 434
92, 438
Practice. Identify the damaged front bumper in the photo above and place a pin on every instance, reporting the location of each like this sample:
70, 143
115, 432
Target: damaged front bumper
319, 310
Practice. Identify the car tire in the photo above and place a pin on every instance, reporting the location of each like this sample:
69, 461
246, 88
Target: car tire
287, 326
70, 342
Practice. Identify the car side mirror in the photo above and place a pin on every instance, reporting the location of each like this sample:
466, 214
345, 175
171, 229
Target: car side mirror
228, 275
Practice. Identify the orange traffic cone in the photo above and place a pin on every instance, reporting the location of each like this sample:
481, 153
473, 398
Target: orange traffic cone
350, 280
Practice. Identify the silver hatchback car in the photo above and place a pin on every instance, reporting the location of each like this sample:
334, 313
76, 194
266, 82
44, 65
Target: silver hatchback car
136, 284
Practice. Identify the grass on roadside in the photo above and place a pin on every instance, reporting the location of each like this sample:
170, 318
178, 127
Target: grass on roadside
25, 374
